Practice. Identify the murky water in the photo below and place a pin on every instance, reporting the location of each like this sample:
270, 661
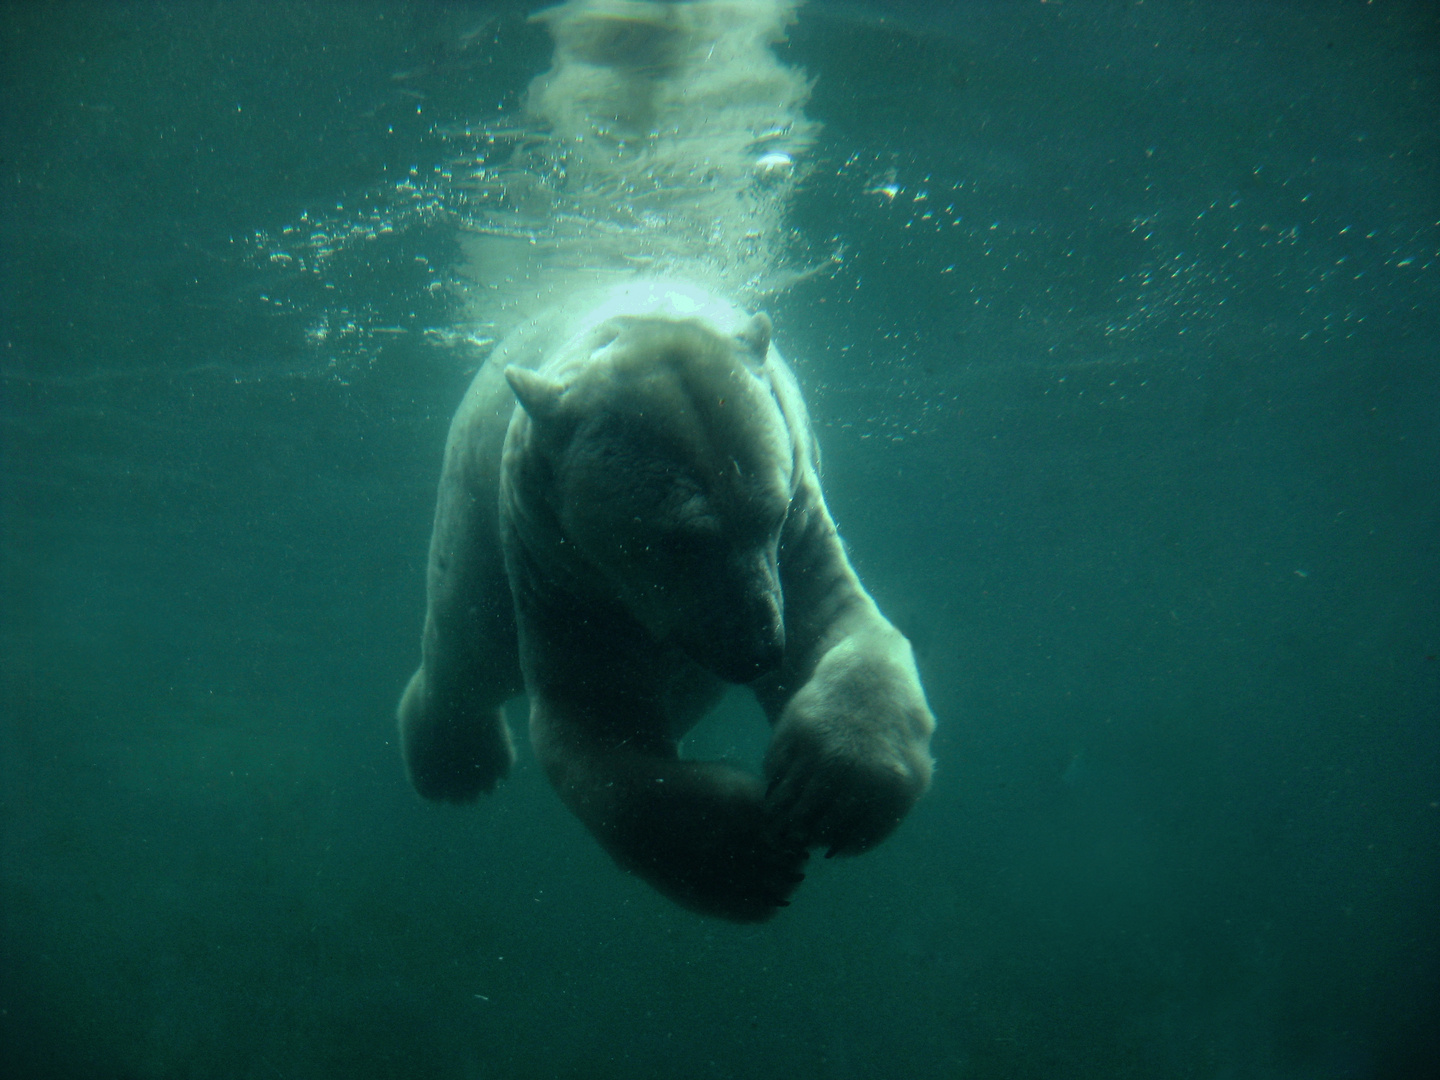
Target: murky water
1121, 353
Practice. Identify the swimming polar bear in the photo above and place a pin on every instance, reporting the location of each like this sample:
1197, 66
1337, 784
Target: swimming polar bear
630, 517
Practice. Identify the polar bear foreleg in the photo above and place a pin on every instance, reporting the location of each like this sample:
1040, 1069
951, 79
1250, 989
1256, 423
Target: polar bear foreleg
697, 831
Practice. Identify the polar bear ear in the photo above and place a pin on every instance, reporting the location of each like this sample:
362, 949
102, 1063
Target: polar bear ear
755, 337
539, 396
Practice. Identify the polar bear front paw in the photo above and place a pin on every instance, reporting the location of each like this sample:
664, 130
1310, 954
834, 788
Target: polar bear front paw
452, 754
850, 754
700, 833
831, 797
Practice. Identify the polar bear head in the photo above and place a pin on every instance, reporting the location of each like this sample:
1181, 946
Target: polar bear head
670, 472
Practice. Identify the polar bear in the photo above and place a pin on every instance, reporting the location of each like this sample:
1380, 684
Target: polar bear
645, 526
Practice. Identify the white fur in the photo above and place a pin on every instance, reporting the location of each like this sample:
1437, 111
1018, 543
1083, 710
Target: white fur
660, 415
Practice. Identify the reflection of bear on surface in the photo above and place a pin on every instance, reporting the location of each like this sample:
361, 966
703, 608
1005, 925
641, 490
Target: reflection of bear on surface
650, 521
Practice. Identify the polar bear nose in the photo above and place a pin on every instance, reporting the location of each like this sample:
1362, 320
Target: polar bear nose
768, 657
758, 643
736, 627
747, 666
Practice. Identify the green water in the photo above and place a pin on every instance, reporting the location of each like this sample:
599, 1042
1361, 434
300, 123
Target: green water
1127, 386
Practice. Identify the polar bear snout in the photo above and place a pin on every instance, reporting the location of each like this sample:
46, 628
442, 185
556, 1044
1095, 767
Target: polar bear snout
741, 657
753, 652
742, 636
766, 659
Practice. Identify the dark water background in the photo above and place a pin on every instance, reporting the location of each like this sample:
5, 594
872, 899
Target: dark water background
1129, 393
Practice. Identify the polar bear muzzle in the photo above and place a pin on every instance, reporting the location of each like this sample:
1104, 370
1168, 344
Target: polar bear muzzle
743, 635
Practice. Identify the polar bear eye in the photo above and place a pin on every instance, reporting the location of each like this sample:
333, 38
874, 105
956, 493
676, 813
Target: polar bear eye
694, 527
699, 523
693, 508
690, 544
